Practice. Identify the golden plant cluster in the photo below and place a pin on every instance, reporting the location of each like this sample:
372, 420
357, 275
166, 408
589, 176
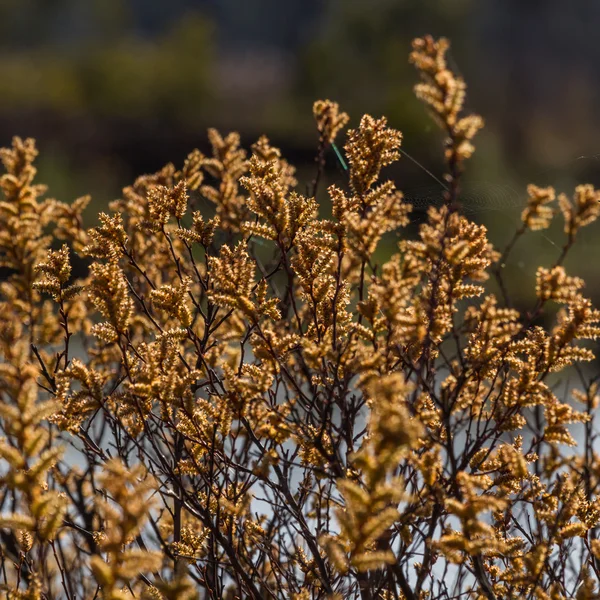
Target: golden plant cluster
242, 403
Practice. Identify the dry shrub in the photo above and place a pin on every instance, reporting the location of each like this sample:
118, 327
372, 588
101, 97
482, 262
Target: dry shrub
248, 406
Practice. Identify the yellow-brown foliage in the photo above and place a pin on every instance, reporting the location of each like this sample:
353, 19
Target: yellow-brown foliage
242, 403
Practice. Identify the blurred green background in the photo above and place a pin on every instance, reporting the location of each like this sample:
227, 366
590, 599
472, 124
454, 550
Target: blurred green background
114, 88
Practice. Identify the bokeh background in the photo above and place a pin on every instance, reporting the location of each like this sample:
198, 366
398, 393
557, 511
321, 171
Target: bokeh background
115, 88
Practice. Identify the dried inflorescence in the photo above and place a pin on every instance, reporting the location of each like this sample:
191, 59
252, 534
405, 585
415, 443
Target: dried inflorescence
330, 121
239, 399
445, 93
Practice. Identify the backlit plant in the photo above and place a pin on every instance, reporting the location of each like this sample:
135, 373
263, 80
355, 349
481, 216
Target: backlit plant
245, 404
